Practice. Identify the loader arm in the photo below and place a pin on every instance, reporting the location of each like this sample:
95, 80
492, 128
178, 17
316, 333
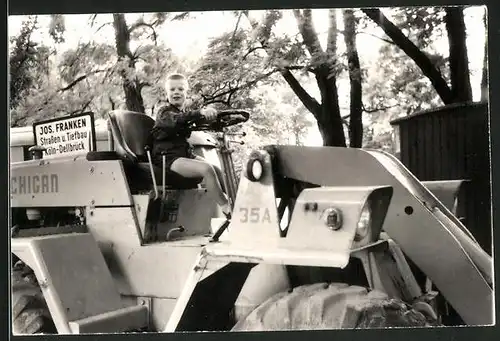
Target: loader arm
422, 226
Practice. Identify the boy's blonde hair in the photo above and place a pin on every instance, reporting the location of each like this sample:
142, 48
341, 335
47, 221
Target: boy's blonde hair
177, 76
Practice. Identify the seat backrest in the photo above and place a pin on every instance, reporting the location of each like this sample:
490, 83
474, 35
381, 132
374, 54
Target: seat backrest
130, 133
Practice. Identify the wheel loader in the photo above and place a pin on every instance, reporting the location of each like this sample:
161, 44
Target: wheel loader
319, 238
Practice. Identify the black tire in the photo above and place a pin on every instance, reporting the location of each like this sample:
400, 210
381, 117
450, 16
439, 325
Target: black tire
331, 306
30, 314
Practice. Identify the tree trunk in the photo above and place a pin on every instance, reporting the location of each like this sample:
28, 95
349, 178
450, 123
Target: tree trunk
133, 96
356, 118
328, 114
412, 51
459, 61
484, 78
329, 119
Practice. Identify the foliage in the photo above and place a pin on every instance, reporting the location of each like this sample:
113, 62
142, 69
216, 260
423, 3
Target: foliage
244, 58
252, 66
397, 85
281, 118
236, 62
422, 25
86, 77
28, 62
277, 119
57, 27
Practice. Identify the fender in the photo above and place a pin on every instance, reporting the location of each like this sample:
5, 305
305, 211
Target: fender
447, 192
93, 304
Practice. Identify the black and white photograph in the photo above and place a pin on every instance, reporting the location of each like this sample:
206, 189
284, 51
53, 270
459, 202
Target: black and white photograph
250, 170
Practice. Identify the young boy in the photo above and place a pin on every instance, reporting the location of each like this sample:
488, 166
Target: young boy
170, 134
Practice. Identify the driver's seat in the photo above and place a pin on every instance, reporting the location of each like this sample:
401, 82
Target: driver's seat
130, 132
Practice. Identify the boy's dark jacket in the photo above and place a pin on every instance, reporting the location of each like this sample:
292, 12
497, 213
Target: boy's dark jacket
170, 131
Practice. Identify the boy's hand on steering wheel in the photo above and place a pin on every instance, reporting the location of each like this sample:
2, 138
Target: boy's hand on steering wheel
209, 113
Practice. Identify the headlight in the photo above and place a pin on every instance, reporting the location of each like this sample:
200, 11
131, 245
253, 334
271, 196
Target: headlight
255, 167
332, 218
364, 223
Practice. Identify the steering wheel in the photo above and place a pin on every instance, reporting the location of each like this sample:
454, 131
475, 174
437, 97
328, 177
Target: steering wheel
225, 118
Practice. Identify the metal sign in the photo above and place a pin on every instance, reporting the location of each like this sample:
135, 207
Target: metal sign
66, 136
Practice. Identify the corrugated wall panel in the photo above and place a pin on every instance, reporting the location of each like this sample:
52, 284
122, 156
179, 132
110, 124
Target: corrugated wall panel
452, 143
437, 142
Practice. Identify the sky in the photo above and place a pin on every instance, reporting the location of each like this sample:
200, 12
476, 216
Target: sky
189, 38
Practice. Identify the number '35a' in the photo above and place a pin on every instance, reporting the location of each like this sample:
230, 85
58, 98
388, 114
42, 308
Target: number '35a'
255, 215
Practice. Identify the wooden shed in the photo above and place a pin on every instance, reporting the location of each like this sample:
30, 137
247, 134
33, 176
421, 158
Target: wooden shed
450, 143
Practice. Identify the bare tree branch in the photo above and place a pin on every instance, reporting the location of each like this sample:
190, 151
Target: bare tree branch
299, 67
207, 97
309, 102
140, 24
141, 85
229, 98
253, 49
177, 17
87, 105
92, 19
219, 91
100, 27
79, 79
82, 109
109, 71
372, 110
376, 36
214, 101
